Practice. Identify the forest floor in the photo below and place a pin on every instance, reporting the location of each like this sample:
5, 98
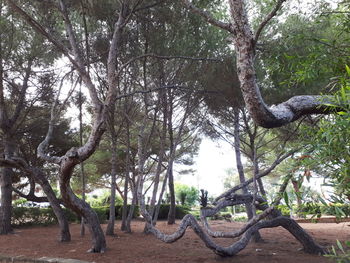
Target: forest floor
278, 245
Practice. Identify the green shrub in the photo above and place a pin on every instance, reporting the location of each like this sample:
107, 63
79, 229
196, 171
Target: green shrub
180, 211
337, 209
33, 216
341, 254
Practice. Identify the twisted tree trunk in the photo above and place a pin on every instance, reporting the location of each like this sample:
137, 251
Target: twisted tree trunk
40, 178
79, 206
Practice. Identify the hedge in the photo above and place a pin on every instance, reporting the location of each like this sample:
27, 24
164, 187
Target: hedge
45, 216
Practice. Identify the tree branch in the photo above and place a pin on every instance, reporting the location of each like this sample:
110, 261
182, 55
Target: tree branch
260, 175
267, 19
208, 17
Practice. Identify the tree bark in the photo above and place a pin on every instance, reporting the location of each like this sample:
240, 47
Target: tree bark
169, 113
125, 226
79, 206
172, 207
113, 134
6, 189
40, 178
111, 221
6, 201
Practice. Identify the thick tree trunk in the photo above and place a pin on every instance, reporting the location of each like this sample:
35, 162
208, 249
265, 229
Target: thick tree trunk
6, 189
6, 201
40, 178
79, 206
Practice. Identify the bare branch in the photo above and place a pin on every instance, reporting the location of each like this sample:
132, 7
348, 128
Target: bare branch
208, 17
267, 19
260, 175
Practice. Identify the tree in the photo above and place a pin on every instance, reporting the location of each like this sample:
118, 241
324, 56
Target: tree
245, 42
100, 108
186, 195
17, 75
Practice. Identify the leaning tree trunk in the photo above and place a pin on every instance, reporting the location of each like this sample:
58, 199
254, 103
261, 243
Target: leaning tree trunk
6, 190
40, 178
79, 206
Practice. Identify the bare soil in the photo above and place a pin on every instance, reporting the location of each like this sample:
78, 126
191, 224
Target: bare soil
278, 245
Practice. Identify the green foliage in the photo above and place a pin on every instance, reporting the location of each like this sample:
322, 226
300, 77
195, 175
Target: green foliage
45, 216
305, 53
317, 209
186, 195
19, 202
330, 144
103, 199
33, 216
341, 253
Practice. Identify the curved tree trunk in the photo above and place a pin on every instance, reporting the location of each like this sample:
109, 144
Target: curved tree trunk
79, 206
40, 178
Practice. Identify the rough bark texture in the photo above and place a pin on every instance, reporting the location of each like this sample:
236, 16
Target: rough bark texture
80, 206
99, 109
6, 189
6, 201
40, 178
263, 115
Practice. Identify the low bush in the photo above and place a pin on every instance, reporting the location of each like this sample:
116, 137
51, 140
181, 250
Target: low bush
45, 216
180, 211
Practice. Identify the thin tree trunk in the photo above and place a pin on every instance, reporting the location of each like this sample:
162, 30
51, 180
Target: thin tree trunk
124, 226
131, 210
161, 153
82, 172
111, 221
172, 208
249, 207
157, 209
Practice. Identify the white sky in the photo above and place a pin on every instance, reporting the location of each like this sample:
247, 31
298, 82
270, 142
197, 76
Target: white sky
211, 164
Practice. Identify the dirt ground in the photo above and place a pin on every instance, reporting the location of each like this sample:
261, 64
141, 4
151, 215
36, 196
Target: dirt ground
279, 245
